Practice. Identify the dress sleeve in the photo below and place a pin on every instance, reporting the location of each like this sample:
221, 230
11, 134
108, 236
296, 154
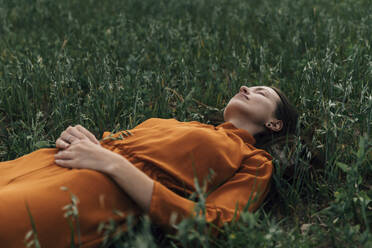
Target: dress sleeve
250, 184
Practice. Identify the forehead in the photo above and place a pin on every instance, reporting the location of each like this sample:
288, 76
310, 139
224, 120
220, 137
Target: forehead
270, 92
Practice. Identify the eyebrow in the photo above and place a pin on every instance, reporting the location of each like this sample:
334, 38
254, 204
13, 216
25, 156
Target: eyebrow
260, 88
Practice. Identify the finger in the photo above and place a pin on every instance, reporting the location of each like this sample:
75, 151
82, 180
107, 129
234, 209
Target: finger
90, 136
71, 134
75, 132
64, 155
64, 163
66, 137
76, 141
61, 144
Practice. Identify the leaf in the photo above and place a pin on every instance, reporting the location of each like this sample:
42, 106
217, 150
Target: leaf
41, 144
66, 207
64, 188
343, 167
100, 227
68, 214
29, 244
361, 150
28, 234
37, 244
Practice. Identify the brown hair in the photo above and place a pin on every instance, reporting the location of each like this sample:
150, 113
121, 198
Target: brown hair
286, 112
287, 144
293, 153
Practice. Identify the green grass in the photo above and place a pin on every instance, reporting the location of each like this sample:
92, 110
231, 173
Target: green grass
109, 65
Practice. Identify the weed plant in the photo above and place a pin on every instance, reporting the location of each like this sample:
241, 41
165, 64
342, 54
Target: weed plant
109, 65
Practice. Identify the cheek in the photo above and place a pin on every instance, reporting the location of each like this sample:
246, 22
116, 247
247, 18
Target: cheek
255, 109
259, 114
261, 110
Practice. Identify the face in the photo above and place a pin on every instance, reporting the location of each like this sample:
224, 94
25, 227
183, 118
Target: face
255, 104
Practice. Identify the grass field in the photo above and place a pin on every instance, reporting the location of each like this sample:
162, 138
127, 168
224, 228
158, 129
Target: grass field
109, 65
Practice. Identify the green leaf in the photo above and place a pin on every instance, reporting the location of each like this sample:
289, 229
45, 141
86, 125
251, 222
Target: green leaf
41, 144
28, 234
343, 167
64, 188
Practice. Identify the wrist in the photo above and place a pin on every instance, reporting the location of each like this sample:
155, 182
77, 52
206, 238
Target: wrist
116, 165
133, 181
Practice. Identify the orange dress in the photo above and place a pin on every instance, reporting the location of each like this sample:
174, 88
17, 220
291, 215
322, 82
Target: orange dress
171, 152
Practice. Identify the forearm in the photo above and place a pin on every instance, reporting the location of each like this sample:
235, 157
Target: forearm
133, 181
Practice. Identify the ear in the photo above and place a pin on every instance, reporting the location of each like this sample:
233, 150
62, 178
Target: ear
275, 125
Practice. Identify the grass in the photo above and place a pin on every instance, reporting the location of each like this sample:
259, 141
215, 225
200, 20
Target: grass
110, 65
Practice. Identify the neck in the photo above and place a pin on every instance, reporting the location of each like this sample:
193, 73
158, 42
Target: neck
252, 128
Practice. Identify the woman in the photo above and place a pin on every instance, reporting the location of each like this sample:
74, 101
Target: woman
149, 169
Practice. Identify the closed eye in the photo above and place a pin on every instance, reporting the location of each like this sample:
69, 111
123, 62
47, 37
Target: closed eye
261, 91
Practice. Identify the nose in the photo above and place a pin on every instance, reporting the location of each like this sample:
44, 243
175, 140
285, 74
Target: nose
244, 89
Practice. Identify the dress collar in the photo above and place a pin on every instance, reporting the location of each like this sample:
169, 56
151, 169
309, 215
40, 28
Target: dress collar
244, 134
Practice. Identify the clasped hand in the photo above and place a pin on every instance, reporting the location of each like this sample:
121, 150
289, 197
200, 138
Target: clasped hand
79, 149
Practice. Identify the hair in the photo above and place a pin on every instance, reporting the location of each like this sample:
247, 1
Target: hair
286, 112
293, 153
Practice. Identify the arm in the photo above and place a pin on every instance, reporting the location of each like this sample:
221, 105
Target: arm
133, 181
250, 182
157, 200
84, 154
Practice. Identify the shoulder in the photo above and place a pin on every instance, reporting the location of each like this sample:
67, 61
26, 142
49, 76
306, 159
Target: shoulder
265, 155
259, 153
257, 158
